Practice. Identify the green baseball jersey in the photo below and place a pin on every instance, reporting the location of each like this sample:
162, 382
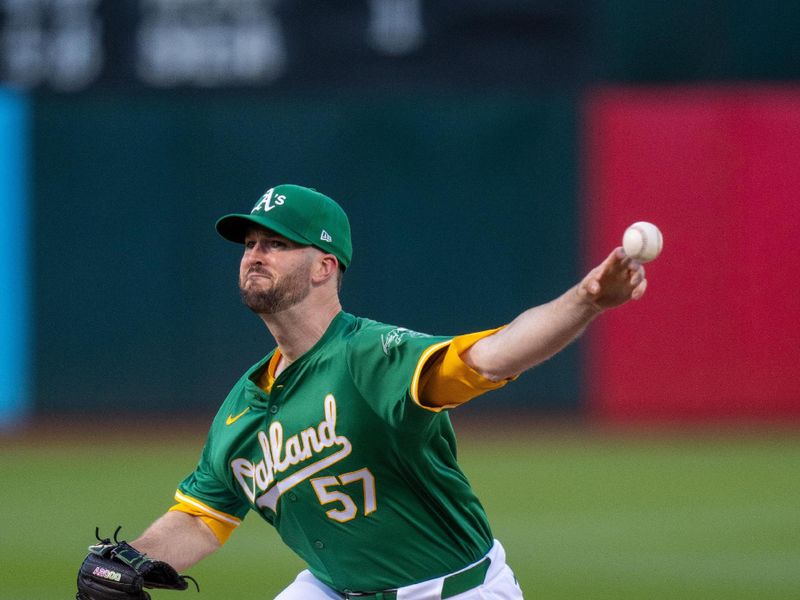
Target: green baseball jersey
358, 479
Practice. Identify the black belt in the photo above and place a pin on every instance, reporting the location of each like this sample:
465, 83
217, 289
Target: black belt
453, 585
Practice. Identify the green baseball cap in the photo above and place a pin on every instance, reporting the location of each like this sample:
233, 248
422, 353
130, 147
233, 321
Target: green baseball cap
300, 214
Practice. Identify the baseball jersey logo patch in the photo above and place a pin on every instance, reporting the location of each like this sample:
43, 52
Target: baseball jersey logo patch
396, 336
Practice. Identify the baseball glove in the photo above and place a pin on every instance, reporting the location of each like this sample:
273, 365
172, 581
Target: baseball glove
118, 571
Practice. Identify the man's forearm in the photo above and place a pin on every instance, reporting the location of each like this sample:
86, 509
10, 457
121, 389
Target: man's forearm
531, 338
542, 331
178, 539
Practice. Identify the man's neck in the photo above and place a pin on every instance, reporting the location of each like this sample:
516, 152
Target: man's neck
297, 329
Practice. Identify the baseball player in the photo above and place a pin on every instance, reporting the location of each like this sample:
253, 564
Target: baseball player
340, 437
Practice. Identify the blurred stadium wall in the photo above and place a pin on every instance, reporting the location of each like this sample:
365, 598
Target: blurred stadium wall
486, 151
717, 168
15, 263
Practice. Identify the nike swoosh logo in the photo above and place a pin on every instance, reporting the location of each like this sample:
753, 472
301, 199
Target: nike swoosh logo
231, 419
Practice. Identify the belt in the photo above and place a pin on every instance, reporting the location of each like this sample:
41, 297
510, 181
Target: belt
453, 585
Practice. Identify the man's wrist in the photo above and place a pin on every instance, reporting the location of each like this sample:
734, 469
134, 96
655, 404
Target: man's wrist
585, 306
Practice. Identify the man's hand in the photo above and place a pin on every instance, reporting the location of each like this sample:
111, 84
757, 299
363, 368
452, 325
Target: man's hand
118, 571
613, 282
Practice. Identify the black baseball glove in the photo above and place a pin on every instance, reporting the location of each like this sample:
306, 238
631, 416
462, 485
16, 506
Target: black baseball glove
118, 571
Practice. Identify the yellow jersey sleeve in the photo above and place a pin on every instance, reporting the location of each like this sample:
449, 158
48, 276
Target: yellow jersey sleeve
443, 380
220, 523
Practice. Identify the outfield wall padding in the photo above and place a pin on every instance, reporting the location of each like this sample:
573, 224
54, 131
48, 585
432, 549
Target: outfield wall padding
717, 335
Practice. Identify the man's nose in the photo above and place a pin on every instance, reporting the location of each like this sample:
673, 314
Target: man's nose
254, 257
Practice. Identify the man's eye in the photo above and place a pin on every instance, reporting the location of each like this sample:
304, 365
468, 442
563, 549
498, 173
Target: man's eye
250, 244
276, 244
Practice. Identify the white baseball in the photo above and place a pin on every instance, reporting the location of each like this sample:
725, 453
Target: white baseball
642, 241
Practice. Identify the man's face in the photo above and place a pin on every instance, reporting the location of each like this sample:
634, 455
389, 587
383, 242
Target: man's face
275, 273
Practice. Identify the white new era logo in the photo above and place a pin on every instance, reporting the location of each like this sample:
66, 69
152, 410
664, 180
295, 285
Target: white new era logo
325, 236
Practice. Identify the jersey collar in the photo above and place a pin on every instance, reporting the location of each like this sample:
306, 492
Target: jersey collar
263, 372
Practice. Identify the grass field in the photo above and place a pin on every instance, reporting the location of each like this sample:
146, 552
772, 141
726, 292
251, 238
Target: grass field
582, 515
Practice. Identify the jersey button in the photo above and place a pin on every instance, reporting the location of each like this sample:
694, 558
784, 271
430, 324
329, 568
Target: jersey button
319, 544
273, 409
292, 496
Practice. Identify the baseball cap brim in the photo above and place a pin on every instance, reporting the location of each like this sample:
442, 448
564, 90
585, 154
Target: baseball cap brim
234, 227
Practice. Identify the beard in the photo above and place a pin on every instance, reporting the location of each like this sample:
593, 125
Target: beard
283, 294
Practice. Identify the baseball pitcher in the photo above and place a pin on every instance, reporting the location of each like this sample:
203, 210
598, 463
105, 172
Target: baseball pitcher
340, 437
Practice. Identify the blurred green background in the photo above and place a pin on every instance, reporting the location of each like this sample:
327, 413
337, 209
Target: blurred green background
582, 512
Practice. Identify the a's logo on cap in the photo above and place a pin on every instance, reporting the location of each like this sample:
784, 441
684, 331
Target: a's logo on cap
325, 236
266, 203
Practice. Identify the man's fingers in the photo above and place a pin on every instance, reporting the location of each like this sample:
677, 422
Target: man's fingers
621, 267
619, 261
639, 290
616, 259
631, 264
638, 276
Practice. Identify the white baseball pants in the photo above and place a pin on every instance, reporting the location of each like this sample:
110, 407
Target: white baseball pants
499, 584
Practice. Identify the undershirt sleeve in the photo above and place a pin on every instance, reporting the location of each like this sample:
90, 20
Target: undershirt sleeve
443, 380
220, 523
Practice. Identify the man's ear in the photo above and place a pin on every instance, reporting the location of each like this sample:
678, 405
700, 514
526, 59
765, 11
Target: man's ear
325, 268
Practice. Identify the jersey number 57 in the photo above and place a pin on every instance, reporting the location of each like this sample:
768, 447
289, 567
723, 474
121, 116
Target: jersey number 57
349, 510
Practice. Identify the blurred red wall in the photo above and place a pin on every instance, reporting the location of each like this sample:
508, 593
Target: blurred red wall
717, 336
